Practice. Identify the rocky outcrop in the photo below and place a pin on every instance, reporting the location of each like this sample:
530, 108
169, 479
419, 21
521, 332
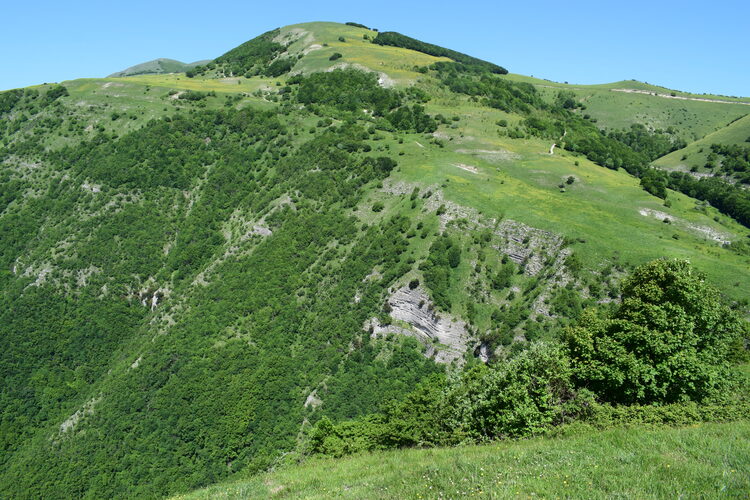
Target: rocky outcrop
527, 246
446, 338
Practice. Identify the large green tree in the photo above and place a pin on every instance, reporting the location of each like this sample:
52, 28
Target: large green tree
669, 340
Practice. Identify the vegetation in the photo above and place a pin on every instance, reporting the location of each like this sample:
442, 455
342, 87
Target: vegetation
254, 57
670, 341
698, 461
398, 40
197, 274
735, 161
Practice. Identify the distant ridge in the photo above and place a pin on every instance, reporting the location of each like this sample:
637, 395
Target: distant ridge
157, 67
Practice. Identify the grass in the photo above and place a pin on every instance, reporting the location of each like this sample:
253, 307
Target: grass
398, 63
696, 153
708, 460
601, 207
618, 110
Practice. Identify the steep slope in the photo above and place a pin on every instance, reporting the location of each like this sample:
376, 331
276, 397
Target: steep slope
197, 267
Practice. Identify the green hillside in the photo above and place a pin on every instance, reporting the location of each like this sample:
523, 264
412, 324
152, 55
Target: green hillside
156, 67
695, 155
202, 271
710, 460
619, 105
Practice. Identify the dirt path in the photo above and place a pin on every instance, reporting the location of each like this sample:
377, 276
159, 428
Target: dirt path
552, 148
682, 98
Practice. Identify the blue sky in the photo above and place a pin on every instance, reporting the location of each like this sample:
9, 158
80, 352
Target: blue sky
691, 46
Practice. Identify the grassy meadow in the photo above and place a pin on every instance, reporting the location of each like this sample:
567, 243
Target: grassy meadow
701, 461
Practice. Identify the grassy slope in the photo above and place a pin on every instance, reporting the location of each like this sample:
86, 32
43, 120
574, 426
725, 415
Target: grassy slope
320, 40
617, 110
602, 206
701, 461
157, 66
696, 153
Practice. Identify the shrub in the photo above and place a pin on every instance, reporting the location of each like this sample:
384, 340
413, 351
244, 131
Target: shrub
668, 341
335, 56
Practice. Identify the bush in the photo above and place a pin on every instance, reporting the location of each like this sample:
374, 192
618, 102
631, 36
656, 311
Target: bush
668, 341
520, 398
335, 56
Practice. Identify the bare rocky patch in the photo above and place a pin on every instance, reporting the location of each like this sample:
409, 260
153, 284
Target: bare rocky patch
445, 338
705, 231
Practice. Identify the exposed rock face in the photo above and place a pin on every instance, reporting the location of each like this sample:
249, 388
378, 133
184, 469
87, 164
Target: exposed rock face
528, 246
71, 422
313, 400
446, 339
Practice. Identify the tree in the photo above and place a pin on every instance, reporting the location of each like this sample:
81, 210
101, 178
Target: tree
668, 341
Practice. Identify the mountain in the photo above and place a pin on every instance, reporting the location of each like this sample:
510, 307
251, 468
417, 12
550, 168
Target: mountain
157, 67
301, 243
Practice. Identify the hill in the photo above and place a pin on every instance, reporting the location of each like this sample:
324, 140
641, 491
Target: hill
695, 155
619, 105
703, 461
200, 269
156, 67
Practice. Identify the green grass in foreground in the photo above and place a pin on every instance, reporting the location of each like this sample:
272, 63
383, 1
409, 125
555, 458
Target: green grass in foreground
709, 460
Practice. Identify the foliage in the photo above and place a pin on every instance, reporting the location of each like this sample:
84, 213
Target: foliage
398, 40
252, 56
653, 144
519, 398
346, 90
445, 255
735, 160
668, 341
354, 91
250, 334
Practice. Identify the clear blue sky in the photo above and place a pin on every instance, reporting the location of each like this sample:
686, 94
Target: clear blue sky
691, 46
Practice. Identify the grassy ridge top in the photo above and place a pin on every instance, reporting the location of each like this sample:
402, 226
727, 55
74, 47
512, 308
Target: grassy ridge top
157, 66
700, 461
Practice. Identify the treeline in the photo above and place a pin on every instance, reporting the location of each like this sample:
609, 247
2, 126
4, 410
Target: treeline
663, 355
253, 57
32, 100
653, 144
398, 40
734, 159
729, 199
